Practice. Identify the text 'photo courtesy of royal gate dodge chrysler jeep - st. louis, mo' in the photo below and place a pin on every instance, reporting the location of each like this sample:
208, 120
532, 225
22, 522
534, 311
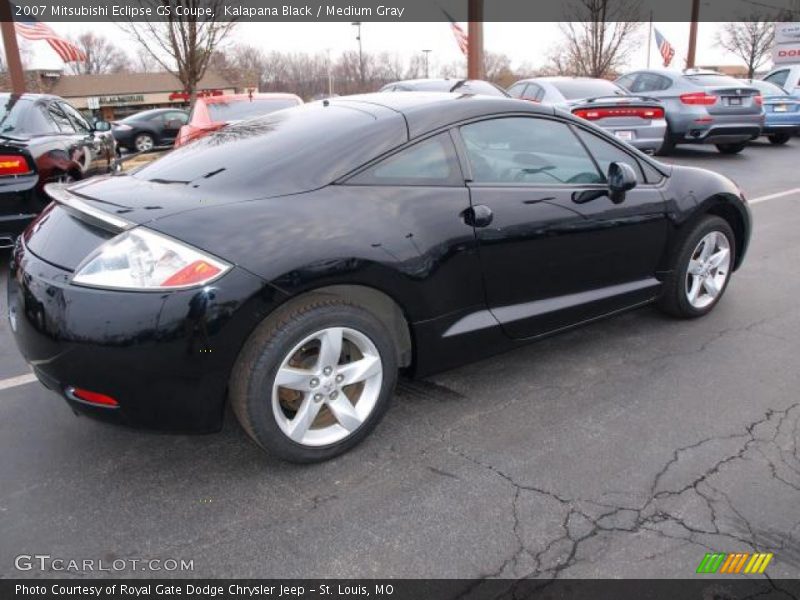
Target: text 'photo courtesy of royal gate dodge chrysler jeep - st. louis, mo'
294, 264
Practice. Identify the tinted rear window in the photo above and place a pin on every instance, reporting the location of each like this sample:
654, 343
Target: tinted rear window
13, 113
575, 90
767, 89
245, 109
713, 80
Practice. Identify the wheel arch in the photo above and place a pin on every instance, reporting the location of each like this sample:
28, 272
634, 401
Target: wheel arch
383, 306
721, 205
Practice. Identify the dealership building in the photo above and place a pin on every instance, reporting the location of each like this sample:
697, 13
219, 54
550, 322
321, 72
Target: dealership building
118, 95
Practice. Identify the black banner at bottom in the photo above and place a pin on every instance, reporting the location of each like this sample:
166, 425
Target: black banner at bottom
702, 588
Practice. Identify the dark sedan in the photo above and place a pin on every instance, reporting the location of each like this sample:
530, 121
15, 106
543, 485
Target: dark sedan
143, 131
295, 262
43, 139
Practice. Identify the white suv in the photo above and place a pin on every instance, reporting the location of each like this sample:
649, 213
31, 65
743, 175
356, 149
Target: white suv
787, 77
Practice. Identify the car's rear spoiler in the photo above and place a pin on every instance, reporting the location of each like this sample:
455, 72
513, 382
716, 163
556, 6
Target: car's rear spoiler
643, 98
85, 211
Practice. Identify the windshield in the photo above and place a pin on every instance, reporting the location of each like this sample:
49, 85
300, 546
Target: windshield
590, 88
244, 109
12, 113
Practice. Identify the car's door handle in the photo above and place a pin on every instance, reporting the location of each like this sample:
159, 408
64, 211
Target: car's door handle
479, 215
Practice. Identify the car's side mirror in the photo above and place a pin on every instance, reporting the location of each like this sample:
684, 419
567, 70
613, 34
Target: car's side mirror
621, 179
101, 125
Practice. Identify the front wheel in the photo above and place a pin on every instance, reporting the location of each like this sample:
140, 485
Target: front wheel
701, 269
314, 380
144, 142
779, 138
731, 148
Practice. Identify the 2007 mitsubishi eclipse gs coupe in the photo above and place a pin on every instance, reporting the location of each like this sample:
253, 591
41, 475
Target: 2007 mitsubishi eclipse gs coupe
296, 262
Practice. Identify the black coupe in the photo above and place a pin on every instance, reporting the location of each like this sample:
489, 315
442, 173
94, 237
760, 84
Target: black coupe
295, 262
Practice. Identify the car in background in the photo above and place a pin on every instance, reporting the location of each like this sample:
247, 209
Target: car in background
149, 129
43, 139
786, 77
702, 107
215, 112
782, 111
461, 86
636, 120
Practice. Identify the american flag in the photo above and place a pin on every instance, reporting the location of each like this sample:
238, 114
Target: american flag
34, 30
462, 39
665, 48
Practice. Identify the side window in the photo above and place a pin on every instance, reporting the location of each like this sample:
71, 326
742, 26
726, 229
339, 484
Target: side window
627, 81
663, 83
516, 90
534, 93
62, 122
42, 122
778, 78
527, 150
430, 162
177, 116
605, 153
77, 119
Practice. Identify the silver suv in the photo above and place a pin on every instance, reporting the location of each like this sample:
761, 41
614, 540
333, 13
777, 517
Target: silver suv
703, 107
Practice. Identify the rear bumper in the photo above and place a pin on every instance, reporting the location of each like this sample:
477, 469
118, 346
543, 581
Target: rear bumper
705, 128
166, 361
20, 202
648, 138
782, 123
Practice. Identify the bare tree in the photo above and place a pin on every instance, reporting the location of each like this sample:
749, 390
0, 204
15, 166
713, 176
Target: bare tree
750, 39
102, 55
497, 69
182, 43
599, 36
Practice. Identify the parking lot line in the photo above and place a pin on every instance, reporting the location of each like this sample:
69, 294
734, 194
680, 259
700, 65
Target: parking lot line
774, 196
17, 381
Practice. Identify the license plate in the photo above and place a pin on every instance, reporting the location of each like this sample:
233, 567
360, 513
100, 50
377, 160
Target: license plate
624, 135
780, 108
735, 101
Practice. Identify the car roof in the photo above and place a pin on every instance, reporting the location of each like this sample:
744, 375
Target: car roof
427, 111
241, 97
34, 97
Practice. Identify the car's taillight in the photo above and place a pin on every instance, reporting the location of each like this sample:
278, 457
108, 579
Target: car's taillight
593, 114
699, 99
759, 100
92, 397
14, 164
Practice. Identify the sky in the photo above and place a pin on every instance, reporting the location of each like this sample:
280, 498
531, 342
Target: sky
529, 43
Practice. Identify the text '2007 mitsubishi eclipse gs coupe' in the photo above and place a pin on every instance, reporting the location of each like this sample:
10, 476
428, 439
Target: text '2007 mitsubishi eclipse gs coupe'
294, 263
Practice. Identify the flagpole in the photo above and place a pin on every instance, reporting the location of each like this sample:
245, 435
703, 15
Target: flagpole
12, 49
649, 39
475, 31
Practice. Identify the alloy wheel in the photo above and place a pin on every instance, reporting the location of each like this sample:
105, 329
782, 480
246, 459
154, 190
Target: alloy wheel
144, 143
708, 270
327, 386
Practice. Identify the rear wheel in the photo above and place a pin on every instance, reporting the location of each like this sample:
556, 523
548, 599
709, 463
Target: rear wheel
701, 269
779, 138
313, 381
731, 148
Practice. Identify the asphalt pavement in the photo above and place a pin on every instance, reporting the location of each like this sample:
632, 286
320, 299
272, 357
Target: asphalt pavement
627, 448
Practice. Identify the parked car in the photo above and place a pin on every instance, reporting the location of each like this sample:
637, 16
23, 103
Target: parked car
308, 255
786, 77
43, 139
215, 112
462, 86
149, 129
782, 111
702, 107
636, 120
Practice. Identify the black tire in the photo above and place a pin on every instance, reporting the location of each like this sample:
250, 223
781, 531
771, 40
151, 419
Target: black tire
667, 146
254, 373
673, 300
779, 138
731, 148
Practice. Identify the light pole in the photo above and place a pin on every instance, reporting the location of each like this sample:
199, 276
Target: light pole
426, 52
357, 25
330, 74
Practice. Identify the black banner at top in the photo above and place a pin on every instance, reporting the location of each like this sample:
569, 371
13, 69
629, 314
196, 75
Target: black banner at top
402, 10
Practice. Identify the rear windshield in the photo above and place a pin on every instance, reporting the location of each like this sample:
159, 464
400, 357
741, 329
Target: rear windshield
593, 88
713, 80
13, 113
245, 109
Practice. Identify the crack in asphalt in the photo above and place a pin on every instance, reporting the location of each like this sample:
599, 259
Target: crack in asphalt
560, 553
